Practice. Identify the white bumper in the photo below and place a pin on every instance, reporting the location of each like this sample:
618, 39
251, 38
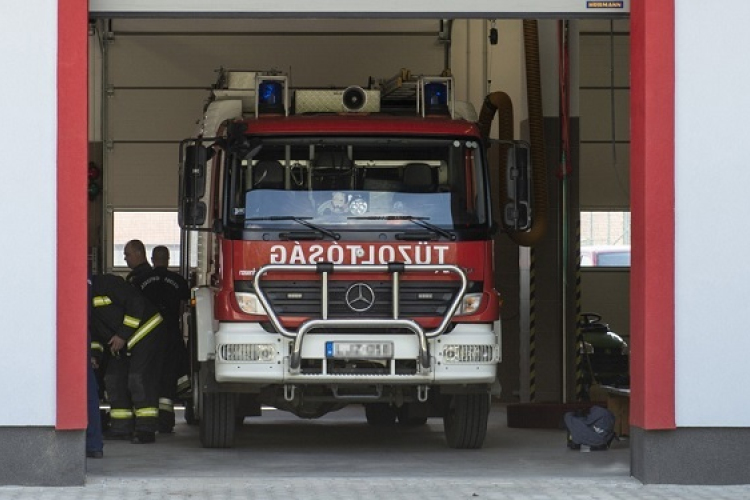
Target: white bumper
236, 340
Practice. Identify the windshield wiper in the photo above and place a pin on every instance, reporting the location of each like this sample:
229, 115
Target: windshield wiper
420, 221
300, 220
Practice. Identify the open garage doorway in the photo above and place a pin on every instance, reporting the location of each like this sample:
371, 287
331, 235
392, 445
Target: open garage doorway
113, 145
154, 76
142, 111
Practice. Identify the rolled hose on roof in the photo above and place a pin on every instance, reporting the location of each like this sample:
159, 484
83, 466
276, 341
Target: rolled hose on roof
500, 103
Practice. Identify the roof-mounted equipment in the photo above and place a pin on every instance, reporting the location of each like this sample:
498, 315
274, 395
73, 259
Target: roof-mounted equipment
435, 96
352, 99
261, 92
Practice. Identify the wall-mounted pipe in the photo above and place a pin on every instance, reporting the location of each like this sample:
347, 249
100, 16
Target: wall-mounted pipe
498, 103
536, 135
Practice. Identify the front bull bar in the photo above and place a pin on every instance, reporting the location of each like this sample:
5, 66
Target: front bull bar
395, 269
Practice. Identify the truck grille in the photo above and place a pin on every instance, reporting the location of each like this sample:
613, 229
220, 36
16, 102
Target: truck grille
416, 298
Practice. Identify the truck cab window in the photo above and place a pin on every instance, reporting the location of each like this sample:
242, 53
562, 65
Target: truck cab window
440, 180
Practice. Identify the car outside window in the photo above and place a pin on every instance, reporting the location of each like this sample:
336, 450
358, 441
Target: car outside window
605, 239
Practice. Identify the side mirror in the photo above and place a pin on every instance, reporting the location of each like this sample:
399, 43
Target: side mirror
517, 213
194, 170
193, 161
191, 214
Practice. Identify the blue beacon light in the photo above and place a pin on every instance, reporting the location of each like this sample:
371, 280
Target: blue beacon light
436, 98
270, 97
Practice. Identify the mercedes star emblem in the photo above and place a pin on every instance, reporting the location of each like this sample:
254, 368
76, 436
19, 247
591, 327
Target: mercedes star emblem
360, 297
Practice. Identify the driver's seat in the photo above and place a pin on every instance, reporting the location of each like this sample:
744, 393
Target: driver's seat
418, 178
268, 174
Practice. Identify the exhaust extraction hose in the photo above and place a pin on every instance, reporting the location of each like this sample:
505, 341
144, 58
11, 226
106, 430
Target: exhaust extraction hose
500, 102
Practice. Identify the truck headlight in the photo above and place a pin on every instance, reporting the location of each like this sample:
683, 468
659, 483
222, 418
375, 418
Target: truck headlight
470, 304
249, 303
264, 353
470, 353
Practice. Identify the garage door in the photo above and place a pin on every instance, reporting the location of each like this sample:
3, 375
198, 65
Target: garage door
422, 8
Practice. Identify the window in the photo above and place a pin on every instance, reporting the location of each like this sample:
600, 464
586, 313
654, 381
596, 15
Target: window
153, 229
605, 239
378, 182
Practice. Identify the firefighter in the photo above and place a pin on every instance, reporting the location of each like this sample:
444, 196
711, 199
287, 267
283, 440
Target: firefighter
169, 292
94, 443
130, 327
135, 258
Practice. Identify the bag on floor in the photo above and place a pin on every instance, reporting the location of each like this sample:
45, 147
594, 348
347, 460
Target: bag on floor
593, 428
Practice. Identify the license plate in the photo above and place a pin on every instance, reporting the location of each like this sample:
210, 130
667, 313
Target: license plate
359, 350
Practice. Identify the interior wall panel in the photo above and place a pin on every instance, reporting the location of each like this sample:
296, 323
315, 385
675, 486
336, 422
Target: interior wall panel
605, 177
598, 107
149, 115
604, 79
159, 83
192, 60
141, 175
275, 26
598, 25
602, 66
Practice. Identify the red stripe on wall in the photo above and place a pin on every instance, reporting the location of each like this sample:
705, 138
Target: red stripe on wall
652, 304
72, 160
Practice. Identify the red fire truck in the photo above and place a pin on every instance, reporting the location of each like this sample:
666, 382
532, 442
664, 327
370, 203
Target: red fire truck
344, 255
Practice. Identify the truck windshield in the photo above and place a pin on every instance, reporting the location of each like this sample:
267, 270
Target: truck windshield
360, 183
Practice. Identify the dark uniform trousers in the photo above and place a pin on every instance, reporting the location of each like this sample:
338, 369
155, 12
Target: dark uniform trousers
167, 290
132, 375
132, 381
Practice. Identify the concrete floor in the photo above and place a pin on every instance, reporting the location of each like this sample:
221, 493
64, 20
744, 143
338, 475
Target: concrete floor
342, 444
340, 457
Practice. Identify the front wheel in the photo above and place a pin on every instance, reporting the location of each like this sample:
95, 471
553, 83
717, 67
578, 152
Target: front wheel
193, 404
465, 420
190, 417
218, 419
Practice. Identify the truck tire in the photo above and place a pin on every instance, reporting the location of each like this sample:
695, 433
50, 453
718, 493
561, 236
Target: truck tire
190, 417
194, 404
218, 420
380, 414
465, 420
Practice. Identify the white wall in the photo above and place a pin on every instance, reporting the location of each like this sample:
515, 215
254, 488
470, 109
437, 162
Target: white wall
28, 203
712, 206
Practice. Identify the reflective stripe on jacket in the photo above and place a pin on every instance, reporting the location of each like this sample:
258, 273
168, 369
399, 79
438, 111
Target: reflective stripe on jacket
120, 309
145, 329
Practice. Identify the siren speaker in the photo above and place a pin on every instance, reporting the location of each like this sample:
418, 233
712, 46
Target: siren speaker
349, 100
354, 98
